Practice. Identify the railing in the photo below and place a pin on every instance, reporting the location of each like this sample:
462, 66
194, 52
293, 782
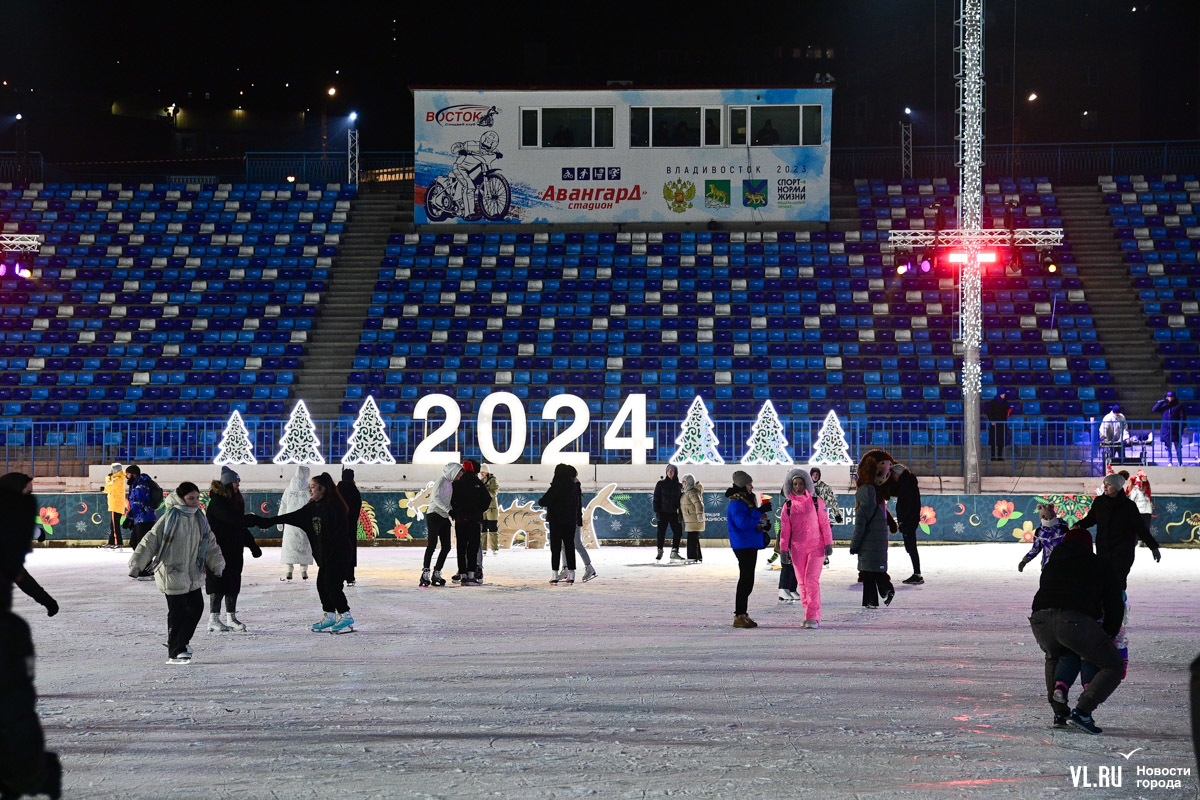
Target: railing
20, 167
329, 167
1064, 162
1032, 447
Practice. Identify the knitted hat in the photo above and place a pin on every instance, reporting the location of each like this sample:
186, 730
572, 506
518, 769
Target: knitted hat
742, 479
228, 476
468, 466
1078, 536
1114, 480
115, 468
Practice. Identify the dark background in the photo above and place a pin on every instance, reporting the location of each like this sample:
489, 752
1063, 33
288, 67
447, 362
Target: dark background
94, 80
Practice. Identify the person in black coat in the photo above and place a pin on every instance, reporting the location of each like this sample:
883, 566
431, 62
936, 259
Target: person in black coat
21, 484
1078, 609
226, 514
908, 516
1171, 431
998, 410
323, 519
668, 493
349, 492
562, 503
1118, 527
469, 500
25, 765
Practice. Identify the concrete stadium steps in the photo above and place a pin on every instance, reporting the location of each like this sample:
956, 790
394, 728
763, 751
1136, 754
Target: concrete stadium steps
1133, 359
330, 353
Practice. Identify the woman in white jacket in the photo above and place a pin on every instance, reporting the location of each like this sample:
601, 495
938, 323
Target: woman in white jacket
437, 520
179, 547
296, 547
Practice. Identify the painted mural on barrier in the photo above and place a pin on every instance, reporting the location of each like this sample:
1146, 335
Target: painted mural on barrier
612, 515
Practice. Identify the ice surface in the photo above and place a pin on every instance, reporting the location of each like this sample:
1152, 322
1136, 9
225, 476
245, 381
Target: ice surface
633, 685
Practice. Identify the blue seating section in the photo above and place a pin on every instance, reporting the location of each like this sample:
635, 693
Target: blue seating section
1155, 222
812, 321
159, 300
913, 204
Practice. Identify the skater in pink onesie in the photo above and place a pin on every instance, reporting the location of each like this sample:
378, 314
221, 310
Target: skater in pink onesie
805, 534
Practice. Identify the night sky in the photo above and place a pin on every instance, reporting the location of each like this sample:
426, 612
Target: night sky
1141, 67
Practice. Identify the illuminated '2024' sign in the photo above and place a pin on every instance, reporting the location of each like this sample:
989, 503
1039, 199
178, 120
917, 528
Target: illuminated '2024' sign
632, 410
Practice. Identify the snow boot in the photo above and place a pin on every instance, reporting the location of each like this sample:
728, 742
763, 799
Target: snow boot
216, 626
437, 579
743, 621
326, 622
345, 624
234, 623
675, 555
589, 572
659, 556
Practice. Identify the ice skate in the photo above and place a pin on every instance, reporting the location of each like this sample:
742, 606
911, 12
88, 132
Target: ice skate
234, 623
795, 595
589, 572
914, 580
456, 577
743, 621
469, 579
424, 578
345, 624
437, 579
287, 576
785, 596
771, 560
216, 626
659, 556
556, 576
326, 622
303, 574
179, 659
675, 555
568, 577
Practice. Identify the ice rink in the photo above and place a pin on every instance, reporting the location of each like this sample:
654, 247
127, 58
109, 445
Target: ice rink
633, 685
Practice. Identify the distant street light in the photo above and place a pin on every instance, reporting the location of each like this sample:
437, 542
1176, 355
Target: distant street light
907, 110
332, 91
1032, 96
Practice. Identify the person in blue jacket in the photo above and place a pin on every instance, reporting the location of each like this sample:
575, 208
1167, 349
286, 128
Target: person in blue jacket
749, 531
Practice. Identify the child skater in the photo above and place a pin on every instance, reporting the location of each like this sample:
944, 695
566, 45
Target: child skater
1051, 532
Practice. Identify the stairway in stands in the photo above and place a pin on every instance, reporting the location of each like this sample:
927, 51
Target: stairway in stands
377, 212
1132, 356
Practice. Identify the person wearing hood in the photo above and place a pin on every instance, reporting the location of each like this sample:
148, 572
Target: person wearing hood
749, 527
1047, 537
490, 535
178, 548
469, 501
581, 552
1077, 610
908, 517
296, 550
829, 497
1118, 526
437, 521
323, 519
349, 492
564, 512
226, 514
691, 506
18, 483
25, 765
667, 494
870, 541
114, 490
806, 536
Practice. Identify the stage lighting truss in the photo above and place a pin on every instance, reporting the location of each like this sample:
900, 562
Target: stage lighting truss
20, 242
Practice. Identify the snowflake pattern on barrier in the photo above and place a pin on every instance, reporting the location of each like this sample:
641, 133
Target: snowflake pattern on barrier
830, 446
696, 442
369, 442
767, 444
235, 447
299, 443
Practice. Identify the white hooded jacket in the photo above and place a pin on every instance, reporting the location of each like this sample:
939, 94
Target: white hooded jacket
443, 490
296, 547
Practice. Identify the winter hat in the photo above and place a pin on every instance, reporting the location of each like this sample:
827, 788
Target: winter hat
1115, 409
689, 480
1114, 481
1078, 536
742, 479
115, 468
485, 468
468, 466
793, 474
228, 476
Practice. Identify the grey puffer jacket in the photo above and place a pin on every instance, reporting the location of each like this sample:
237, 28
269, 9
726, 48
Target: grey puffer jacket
187, 546
870, 531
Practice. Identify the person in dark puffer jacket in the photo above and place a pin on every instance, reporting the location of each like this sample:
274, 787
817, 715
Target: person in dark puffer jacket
668, 494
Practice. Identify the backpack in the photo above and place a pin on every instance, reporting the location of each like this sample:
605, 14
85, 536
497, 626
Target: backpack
156, 493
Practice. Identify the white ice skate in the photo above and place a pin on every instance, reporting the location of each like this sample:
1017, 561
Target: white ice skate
568, 577
216, 626
234, 623
785, 596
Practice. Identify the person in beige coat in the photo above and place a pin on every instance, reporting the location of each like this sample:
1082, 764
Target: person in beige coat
178, 548
691, 505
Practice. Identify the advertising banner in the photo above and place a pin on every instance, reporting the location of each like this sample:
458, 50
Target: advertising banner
683, 155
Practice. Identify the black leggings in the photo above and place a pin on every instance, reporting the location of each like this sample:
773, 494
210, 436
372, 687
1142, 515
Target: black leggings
114, 538
875, 584
910, 544
214, 603
671, 518
747, 559
329, 586
183, 615
439, 531
562, 543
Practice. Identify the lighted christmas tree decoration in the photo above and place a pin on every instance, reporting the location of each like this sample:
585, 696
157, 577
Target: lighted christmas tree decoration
697, 442
830, 446
767, 444
299, 443
235, 446
369, 442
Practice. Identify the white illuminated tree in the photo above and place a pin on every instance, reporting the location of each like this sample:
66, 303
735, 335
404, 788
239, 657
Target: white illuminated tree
235, 446
697, 442
830, 446
369, 442
299, 444
767, 444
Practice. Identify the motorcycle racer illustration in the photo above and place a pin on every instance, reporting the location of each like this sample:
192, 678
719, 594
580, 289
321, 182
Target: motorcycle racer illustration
473, 188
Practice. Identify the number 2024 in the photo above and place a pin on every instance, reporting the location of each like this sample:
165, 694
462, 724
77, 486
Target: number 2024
633, 410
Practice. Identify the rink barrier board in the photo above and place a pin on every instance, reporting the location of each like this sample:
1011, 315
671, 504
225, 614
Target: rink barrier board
613, 516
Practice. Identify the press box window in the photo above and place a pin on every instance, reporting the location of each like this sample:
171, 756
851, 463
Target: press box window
810, 125
737, 126
775, 126
675, 127
567, 127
